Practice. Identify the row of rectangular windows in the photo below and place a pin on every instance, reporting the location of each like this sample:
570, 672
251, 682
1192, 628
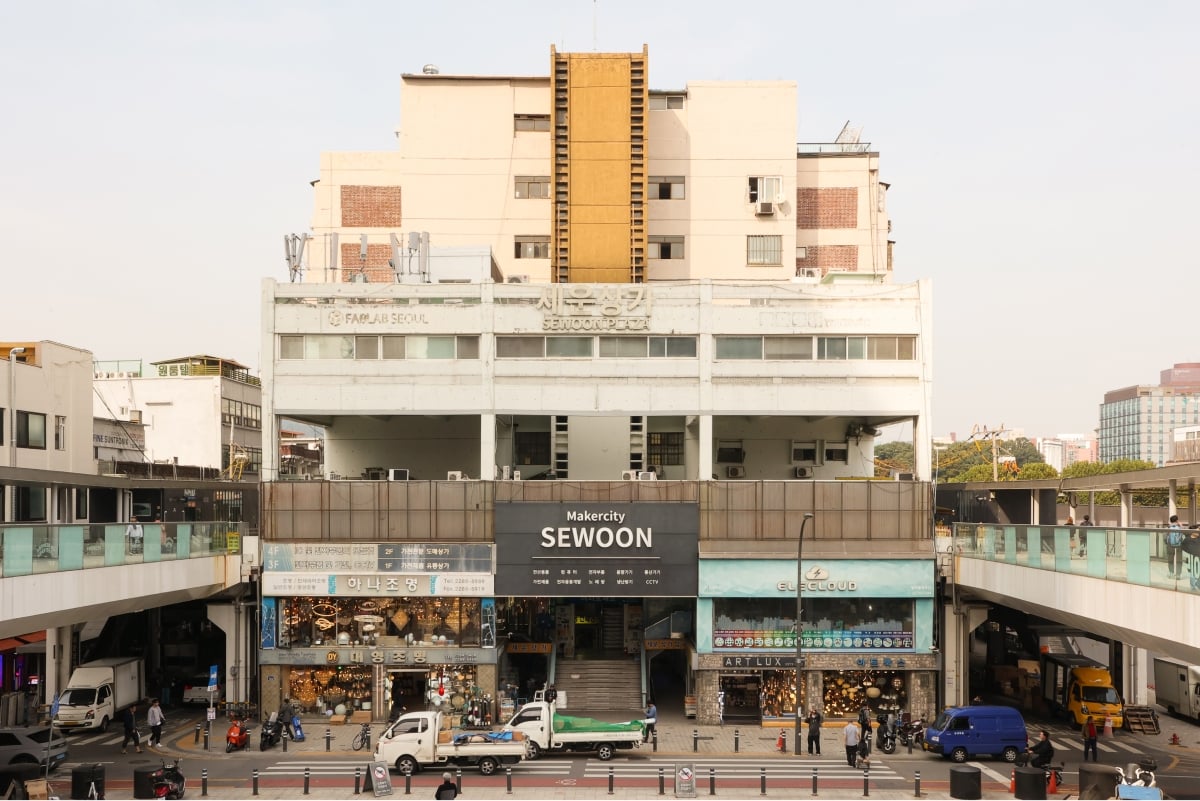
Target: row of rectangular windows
762, 250
240, 413
661, 187
789, 348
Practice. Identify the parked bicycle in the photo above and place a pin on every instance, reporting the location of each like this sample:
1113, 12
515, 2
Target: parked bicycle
363, 738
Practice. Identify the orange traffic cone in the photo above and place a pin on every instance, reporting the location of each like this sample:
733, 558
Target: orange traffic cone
1012, 781
1053, 788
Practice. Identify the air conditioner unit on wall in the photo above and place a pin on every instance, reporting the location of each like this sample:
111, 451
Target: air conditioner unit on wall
906, 477
397, 474
764, 207
629, 475
735, 471
455, 475
803, 472
647, 475
516, 475
517, 279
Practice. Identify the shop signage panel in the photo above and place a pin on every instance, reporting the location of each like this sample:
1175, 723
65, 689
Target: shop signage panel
395, 657
372, 584
826, 640
597, 549
833, 578
529, 647
381, 557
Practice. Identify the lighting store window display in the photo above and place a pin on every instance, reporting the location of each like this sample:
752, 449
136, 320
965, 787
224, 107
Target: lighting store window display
396, 622
332, 691
882, 691
830, 624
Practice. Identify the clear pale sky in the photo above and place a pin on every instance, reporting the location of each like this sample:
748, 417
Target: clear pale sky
1043, 159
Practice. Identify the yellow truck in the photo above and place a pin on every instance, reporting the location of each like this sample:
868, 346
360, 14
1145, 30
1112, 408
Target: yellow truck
1079, 687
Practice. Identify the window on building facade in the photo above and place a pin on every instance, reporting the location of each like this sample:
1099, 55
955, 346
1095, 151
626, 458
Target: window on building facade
731, 450
532, 447
531, 122
531, 247
673, 347
794, 348
366, 347
29, 503
665, 247
662, 102
667, 187
569, 347
291, 346
837, 452
520, 347
804, 452
31, 430
836, 348
764, 250
767, 188
739, 347
531, 186
60, 433
3, 417
665, 447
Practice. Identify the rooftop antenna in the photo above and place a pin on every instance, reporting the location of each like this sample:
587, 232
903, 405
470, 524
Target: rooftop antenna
848, 135
293, 254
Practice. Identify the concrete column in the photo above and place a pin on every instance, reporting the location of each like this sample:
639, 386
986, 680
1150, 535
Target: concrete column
1126, 507
704, 459
487, 448
58, 660
1172, 498
226, 618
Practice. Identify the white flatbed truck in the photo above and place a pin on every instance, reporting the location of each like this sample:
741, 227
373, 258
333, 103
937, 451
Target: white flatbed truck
547, 731
417, 740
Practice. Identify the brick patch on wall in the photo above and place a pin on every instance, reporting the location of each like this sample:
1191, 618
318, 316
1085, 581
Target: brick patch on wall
370, 206
376, 267
830, 207
825, 257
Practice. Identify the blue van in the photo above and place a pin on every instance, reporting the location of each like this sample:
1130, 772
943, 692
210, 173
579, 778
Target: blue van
963, 732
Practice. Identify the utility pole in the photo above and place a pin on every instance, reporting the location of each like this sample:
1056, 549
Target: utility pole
982, 432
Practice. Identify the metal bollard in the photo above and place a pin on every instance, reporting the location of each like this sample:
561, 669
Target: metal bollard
866, 781
285, 738
408, 782
762, 781
508, 779
207, 729
458, 780
712, 781
328, 738
307, 774
610, 780
197, 740
662, 782
254, 782
917, 784
737, 735
783, 741
695, 740
357, 781
654, 740
910, 743
814, 789
204, 781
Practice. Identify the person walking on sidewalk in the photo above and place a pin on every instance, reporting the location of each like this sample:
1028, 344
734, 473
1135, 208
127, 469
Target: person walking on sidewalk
129, 721
155, 719
851, 737
815, 719
651, 722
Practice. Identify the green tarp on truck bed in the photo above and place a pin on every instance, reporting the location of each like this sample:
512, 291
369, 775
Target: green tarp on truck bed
563, 723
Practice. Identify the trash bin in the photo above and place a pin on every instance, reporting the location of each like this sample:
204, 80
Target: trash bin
1030, 783
84, 777
13, 778
965, 782
1097, 781
143, 782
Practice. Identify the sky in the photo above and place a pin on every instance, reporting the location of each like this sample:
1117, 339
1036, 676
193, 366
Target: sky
1042, 157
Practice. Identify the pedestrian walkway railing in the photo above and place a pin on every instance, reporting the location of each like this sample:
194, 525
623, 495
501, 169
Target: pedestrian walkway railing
1129, 555
40, 548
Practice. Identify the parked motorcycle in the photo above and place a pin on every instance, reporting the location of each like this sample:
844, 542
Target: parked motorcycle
237, 737
1135, 775
168, 781
271, 734
292, 718
912, 731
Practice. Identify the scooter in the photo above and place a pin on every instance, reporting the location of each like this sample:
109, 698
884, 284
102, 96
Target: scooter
169, 781
911, 732
237, 737
1135, 775
885, 736
272, 732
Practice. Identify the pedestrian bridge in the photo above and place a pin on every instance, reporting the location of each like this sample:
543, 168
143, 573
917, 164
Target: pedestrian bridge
1113, 582
57, 575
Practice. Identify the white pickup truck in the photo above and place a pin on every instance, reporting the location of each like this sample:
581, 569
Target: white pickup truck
546, 730
417, 740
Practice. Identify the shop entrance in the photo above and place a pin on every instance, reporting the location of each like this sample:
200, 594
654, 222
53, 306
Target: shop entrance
406, 688
741, 692
599, 630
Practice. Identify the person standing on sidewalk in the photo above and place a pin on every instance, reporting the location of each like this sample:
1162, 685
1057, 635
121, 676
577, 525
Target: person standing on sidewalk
155, 719
851, 737
651, 721
1089, 740
815, 720
1174, 543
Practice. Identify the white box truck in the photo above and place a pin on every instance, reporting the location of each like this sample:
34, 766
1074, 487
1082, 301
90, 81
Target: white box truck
98, 691
1177, 687
417, 740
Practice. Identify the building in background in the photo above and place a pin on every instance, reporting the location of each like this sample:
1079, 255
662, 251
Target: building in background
201, 411
1064, 450
584, 355
1138, 422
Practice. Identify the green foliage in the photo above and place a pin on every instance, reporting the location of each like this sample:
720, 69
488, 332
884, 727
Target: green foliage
1035, 470
958, 460
978, 472
1153, 498
894, 456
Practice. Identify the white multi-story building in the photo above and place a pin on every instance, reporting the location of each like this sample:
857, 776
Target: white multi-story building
1138, 422
661, 301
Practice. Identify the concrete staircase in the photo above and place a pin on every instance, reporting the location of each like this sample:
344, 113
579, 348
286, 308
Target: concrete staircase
603, 685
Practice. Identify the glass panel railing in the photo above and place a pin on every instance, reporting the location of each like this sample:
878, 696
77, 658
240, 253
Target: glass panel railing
39, 548
1128, 555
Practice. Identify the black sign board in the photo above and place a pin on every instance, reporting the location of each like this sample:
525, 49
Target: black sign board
628, 550
381, 779
763, 662
417, 557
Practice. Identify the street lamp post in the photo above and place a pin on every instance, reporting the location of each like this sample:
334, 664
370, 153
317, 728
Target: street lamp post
799, 625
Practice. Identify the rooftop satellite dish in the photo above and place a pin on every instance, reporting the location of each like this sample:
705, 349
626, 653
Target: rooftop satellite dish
848, 135
430, 69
